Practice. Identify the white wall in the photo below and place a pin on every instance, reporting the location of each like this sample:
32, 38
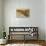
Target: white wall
0, 18
45, 19
0, 11
35, 19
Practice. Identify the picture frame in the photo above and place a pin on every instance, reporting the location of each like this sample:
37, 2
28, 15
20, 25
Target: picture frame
22, 12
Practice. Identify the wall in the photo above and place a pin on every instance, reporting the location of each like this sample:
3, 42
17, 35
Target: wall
35, 19
0, 18
45, 19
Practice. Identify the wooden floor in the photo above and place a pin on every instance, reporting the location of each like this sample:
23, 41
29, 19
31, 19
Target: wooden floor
21, 45
39, 42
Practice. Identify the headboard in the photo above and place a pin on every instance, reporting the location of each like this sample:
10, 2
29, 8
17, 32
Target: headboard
23, 30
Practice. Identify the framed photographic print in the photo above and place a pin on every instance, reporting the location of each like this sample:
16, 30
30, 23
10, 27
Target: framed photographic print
22, 12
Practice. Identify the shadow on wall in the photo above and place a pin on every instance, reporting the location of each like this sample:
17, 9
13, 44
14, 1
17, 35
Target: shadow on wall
1, 34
